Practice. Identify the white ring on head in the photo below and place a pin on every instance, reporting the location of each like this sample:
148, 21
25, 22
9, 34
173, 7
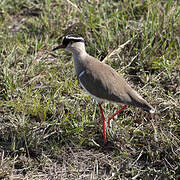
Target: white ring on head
74, 38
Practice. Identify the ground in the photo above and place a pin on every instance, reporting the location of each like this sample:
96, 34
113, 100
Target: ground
50, 128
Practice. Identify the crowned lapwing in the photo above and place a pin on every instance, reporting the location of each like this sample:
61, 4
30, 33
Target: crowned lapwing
100, 80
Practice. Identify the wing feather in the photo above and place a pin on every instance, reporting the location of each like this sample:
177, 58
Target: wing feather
103, 82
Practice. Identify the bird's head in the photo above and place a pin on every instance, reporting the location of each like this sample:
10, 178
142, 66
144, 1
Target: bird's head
72, 43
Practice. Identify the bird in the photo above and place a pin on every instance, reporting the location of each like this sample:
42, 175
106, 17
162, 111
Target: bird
100, 80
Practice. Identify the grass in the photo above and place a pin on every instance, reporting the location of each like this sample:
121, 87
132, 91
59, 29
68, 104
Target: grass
50, 128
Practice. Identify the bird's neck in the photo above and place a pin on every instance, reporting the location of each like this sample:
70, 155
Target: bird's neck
78, 48
79, 61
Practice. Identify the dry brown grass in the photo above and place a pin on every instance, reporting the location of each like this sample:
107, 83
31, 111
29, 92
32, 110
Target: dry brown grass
50, 128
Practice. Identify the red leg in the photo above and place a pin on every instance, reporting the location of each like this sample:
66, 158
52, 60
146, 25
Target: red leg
120, 110
104, 123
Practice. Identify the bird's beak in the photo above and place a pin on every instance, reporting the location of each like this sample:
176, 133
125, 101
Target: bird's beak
58, 47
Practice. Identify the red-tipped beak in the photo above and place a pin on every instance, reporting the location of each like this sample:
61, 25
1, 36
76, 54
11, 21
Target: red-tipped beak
58, 47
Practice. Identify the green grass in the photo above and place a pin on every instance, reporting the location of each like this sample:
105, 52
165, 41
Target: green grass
50, 128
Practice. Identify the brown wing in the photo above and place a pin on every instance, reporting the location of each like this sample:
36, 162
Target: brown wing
104, 82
